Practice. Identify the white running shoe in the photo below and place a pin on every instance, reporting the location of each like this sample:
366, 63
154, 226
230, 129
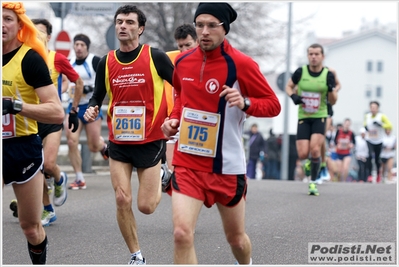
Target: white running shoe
137, 261
60, 191
324, 175
48, 217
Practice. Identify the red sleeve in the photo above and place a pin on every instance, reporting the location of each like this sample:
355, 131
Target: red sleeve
264, 102
62, 65
176, 111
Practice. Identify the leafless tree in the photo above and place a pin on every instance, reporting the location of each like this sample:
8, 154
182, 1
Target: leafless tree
93, 26
163, 19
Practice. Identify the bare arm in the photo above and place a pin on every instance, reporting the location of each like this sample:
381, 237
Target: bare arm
65, 83
337, 82
290, 87
78, 92
49, 110
333, 97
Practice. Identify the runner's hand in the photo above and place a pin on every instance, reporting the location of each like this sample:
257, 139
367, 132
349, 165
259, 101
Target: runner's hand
8, 107
170, 127
73, 121
91, 113
297, 99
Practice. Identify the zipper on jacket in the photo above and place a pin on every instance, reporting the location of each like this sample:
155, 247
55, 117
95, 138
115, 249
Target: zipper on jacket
202, 67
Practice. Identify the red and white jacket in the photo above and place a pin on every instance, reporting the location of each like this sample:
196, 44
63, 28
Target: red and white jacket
198, 80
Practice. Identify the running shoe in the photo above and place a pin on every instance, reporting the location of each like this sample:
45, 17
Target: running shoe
48, 217
165, 176
77, 185
50, 187
137, 261
370, 179
324, 175
313, 189
14, 208
319, 180
60, 191
306, 167
236, 262
104, 151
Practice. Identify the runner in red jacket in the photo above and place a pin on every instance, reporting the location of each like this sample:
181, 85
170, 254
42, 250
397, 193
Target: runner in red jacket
216, 87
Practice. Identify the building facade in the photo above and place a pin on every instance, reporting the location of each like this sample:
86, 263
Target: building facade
367, 66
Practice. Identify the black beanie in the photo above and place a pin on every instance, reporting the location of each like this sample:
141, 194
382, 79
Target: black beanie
222, 11
83, 38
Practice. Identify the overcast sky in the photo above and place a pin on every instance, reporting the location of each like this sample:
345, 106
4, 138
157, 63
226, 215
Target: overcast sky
332, 18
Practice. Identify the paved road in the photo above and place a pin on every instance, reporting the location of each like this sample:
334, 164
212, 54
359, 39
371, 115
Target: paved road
281, 220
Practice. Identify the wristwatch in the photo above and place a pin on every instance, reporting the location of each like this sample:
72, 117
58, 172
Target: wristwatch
17, 105
247, 104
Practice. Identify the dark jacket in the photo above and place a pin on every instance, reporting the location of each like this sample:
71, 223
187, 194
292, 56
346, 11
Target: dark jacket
273, 148
257, 144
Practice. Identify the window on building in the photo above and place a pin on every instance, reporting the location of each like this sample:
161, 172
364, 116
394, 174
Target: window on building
369, 66
379, 66
368, 91
378, 91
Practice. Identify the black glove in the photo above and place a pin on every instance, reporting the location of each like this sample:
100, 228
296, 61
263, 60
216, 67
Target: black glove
8, 107
87, 89
73, 121
377, 123
297, 99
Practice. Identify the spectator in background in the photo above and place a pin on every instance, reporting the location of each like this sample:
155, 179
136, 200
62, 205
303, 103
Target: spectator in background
292, 159
375, 122
388, 154
361, 154
272, 157
256, 146
344, 141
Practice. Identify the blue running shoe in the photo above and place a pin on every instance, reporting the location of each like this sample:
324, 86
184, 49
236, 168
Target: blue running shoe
48, 217
324, 175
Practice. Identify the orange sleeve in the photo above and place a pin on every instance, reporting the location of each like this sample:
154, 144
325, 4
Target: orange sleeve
167, 86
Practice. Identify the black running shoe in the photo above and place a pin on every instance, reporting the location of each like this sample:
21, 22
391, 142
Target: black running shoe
166, 174
14, 208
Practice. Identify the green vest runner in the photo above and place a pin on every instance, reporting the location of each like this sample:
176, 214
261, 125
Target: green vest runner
313, 91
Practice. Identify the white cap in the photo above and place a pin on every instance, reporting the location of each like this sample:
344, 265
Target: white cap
362, 130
